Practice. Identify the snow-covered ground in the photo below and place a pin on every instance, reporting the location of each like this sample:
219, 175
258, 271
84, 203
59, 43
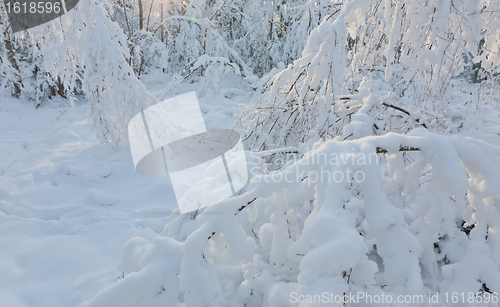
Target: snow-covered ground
69, 204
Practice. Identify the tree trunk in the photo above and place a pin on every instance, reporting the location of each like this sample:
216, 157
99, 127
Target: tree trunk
126, 20
161, 22
149, 14
141, 16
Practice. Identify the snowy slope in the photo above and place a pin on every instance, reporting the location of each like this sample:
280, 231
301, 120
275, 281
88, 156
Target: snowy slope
68, 204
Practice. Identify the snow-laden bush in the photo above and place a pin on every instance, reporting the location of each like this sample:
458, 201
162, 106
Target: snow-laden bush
212, 74
422, 46
147, 52
217, 66
217, 72
392, 215
272, 32
385, 60
188, 30
307, 99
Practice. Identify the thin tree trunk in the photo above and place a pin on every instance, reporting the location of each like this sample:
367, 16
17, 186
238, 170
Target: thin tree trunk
141, 16
149, 14
126, 19
140, 67
161, 21
141, 26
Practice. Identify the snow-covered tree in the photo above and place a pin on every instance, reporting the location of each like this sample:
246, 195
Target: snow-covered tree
32, 64
84, 50
114, 94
